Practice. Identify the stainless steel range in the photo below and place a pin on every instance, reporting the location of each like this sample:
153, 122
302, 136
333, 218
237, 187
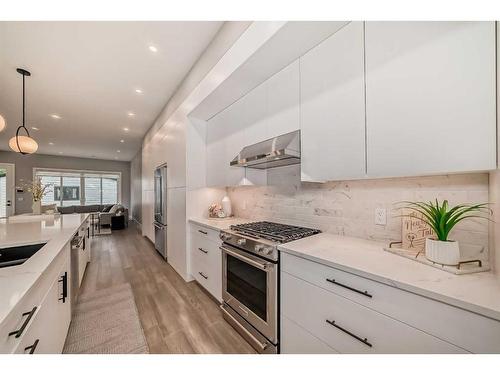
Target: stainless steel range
250, 272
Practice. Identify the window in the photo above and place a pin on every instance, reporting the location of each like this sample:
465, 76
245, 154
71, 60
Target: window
68, 188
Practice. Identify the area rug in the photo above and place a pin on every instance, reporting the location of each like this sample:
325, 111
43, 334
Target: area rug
106, 322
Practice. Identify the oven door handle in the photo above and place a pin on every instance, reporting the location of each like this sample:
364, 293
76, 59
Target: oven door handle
262, 266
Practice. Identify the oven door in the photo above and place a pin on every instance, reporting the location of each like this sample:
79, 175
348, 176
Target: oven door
249, 286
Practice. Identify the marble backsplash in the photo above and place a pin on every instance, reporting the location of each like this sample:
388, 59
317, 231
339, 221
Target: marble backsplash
348, 207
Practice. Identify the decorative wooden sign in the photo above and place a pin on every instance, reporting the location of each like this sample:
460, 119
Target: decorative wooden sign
414, 232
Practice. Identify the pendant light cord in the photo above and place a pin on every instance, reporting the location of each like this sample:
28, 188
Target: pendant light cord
23, 103
23, 125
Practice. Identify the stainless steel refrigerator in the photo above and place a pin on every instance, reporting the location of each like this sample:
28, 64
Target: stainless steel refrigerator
160, 210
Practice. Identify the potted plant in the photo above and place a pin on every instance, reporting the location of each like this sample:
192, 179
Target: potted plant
442, 219
38, 191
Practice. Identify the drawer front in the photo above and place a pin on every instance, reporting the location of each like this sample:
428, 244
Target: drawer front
473, 332
205, 232
201, 272
349, 327
206, 259
296, 340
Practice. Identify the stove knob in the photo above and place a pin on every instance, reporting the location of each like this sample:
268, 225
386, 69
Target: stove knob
259, 248
241, 241
269, 251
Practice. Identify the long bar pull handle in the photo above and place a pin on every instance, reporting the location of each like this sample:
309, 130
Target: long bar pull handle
365, 293
203, 275
202, 231
202, 250
64, 281
364, 341
32, 347
20, 331
262, 266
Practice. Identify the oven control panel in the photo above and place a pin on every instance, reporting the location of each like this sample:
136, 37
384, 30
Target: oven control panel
258, 246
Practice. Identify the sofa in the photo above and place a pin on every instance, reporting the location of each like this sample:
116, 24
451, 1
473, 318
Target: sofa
106, 212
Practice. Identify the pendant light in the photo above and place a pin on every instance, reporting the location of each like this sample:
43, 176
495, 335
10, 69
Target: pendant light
23, 144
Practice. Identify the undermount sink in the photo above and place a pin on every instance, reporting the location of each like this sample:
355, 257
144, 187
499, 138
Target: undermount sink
13, 256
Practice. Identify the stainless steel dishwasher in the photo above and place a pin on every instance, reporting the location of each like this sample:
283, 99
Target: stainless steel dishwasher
76, 248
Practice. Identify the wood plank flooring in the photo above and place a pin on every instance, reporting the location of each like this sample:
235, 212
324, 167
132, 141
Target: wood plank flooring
177, 317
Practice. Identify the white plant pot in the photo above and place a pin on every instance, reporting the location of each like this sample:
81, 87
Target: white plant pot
442, 252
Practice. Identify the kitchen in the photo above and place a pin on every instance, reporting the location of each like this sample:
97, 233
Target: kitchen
282, 184
225, 147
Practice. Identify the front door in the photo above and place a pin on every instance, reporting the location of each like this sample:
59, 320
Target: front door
7, 189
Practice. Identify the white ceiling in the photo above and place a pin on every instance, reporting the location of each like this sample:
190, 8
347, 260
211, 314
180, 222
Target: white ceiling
87, 73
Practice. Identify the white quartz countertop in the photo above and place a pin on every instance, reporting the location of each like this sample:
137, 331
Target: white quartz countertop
218, 224
56, 231
479, 292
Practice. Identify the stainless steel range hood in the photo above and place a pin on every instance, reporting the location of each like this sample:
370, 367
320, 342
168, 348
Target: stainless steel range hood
275, 152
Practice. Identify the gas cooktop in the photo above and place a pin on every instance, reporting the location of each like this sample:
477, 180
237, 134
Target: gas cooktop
275, 232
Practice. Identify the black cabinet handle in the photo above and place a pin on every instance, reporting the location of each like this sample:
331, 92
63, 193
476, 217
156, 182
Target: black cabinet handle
364, 341
20, 331
202, 231
32, 347
64, 281
202, 250
88, 232
83, 244
365, 293
202, 275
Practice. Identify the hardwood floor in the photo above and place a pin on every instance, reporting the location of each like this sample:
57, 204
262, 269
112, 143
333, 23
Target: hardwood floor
177, 317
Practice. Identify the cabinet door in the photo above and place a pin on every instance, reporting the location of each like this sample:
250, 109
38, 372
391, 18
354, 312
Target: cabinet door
333, 107
430, 97
283, 97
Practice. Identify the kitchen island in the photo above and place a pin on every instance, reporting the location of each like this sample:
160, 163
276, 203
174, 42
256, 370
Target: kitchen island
35, 296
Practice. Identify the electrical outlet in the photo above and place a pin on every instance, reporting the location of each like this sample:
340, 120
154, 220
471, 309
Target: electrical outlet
380, 216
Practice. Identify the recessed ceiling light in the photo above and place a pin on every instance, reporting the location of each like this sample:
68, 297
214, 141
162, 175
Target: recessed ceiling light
118, 151
131, 114
35, 128
56, 116
126, 129
121, 141
60, 152
139, 91
51, 143
153, 48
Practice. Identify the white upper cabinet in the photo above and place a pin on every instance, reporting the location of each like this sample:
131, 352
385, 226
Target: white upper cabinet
283, 98
270, 109
333, 107
430, 97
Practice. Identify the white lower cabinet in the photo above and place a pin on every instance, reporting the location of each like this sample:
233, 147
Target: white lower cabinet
464, 329
349, 327
296, 340
206, 259
42, 318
